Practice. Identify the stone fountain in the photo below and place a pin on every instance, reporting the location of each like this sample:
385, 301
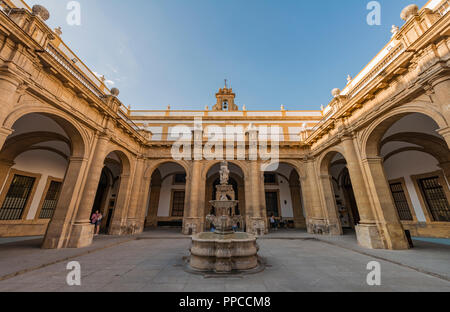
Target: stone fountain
224, 251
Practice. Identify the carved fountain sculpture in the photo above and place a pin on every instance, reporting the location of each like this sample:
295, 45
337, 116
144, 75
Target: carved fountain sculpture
224, 251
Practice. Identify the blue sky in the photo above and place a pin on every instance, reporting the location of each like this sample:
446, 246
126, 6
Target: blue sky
274, 52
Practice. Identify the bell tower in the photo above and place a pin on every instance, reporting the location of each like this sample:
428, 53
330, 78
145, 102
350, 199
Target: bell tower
225, 100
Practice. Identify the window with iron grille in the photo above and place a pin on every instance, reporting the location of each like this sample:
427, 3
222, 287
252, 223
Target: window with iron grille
50, 201
435, 199
17, 197
401, 202
178, 204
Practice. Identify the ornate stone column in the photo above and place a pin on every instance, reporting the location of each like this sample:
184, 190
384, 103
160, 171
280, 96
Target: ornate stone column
134, 223
82, 230
388, 220
59, 228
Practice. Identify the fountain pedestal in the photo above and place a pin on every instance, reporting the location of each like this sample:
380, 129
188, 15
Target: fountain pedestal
224, 251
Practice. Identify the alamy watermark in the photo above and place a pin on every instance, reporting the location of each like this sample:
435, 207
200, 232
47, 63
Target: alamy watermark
232, 142
374, 16
74, 16
374, 276
74, 276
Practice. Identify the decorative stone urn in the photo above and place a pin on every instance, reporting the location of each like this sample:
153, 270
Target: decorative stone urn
40, 11
409, 12
224, 251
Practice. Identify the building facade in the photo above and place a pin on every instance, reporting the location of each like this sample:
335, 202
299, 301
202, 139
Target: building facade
375, 160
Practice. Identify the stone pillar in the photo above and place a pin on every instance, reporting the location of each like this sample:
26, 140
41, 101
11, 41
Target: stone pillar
119, 220
358, 184
262, 199
59, 228
299, 218
367, 231
193, 220
152, 216
331, 213
134, 223
256, 214
82, 230
316, 221
388, 220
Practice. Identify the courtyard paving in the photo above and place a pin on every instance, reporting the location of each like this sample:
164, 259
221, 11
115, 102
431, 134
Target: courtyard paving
152, 261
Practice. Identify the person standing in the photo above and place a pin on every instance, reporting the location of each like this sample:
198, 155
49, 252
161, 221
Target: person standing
96, 219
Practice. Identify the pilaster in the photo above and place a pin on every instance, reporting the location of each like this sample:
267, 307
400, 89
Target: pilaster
134, 224
82, 230
390, 231
59, 230
193, 221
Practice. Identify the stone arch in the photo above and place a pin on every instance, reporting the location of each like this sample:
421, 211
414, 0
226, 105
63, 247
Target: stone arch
76, 139
156, 164
153, 187
77, 134
210, 164
24, 142
326, 158
328, 193
122, 202
426, 143
297, 165
373, 134
380, 172
289, 195
125, 157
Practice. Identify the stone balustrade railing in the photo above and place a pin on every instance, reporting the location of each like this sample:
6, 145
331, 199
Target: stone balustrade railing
5, 8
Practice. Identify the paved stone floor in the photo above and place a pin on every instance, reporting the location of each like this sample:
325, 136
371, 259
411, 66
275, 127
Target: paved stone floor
153, 262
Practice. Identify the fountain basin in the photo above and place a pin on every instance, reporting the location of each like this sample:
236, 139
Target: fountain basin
212, 252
